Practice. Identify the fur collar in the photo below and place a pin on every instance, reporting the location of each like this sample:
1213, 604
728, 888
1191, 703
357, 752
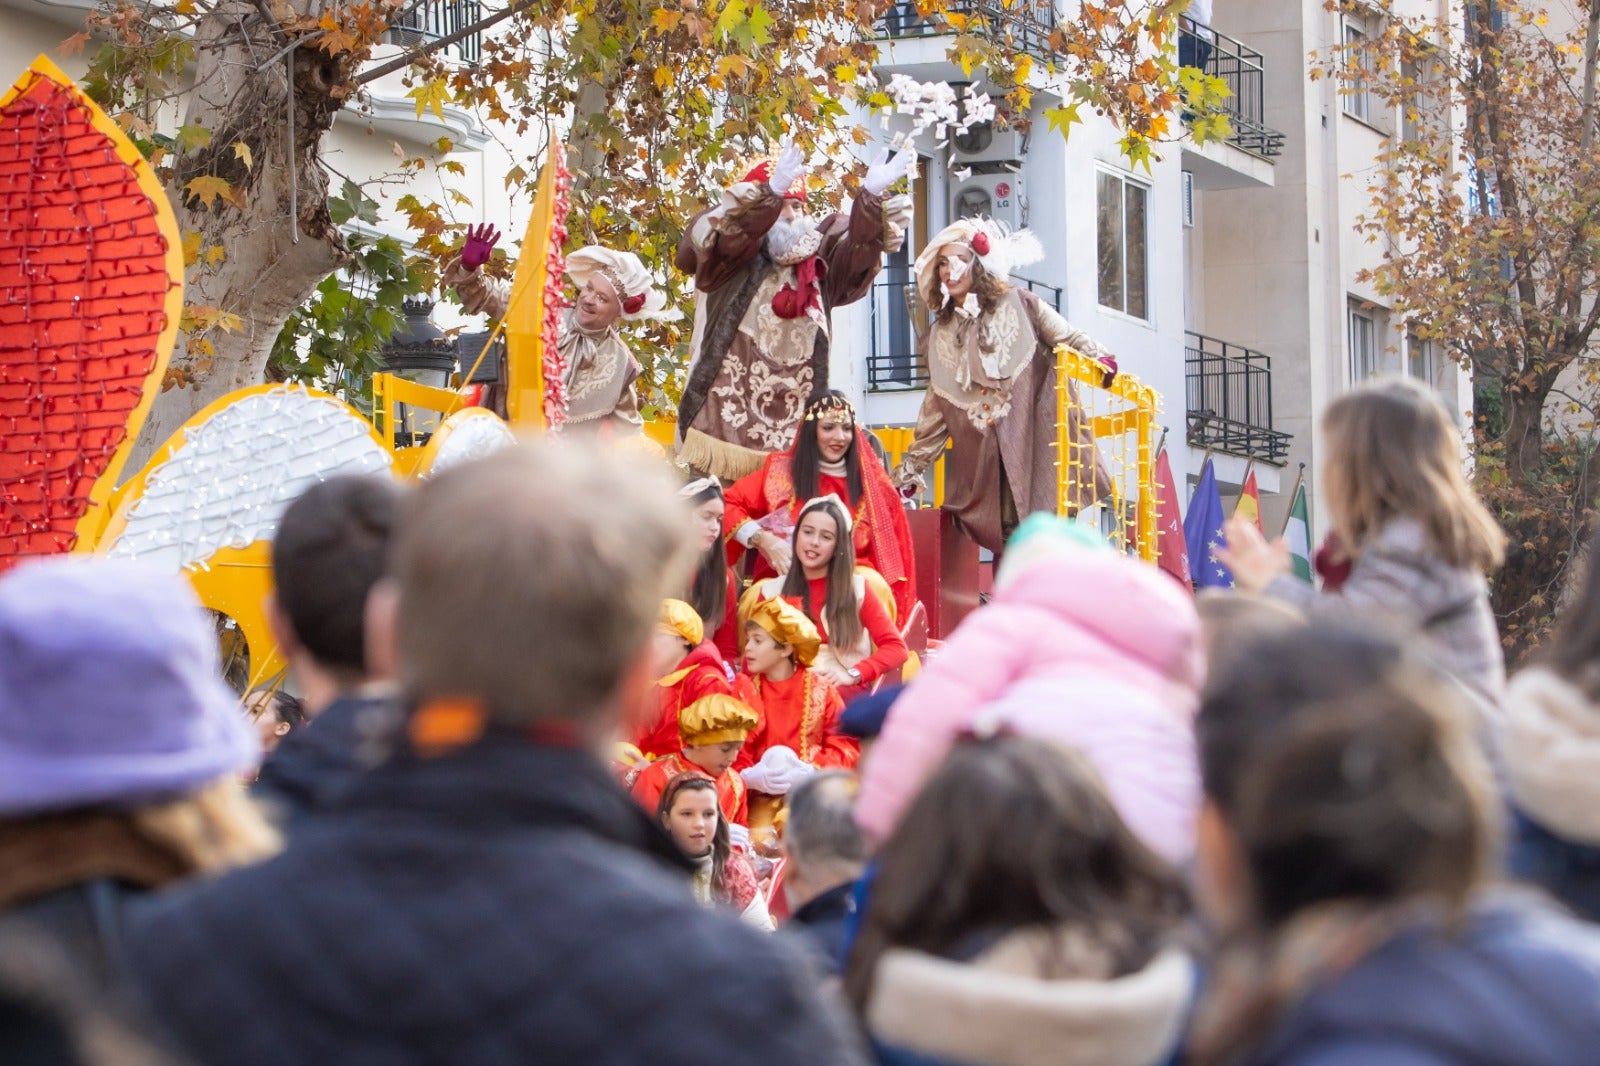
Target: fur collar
1552, 750
47, 852
1002, 1008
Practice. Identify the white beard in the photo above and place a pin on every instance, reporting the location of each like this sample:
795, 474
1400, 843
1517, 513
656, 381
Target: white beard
790, 242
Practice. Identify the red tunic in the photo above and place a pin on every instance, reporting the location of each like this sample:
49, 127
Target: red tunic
801, 713
889, 651
879, 531
700, 673
652, 780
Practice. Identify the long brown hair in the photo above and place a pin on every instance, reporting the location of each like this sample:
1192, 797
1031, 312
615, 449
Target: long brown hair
989, 288
1009, 833
842, 613
1575, 652
721, 846
708, 594
1395, 453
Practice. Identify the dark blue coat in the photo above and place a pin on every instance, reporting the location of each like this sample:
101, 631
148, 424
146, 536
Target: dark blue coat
318, 761
505, 903
1567, 870
1520, 986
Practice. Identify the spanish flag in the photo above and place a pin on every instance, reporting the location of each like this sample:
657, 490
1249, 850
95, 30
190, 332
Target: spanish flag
1249, 504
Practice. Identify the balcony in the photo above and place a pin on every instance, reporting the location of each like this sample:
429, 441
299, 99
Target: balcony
1245, 73
425, 22
1230, 400
1022, 25
895, 362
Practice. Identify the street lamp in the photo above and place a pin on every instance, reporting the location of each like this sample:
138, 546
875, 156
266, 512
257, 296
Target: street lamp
419, 352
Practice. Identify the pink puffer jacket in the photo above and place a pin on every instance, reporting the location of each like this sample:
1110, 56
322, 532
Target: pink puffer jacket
1083, 647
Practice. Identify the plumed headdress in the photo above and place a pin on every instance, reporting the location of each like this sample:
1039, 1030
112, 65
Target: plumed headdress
635, 286
994, 244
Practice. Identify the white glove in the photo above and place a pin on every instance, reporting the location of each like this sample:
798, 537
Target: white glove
778, 770
739, 836
790, 168
887, 169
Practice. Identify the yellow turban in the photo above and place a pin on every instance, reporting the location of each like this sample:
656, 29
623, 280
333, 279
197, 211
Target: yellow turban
787, 624
678, 617
715, 719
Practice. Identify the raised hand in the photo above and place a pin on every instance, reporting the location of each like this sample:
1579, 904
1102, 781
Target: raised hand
789, 168
1253, 560
888, 169
480, 242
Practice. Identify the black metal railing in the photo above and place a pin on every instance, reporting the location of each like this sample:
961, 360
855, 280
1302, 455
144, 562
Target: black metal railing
1245, 72
433, 21
895, 359
1230, 399
1024, 25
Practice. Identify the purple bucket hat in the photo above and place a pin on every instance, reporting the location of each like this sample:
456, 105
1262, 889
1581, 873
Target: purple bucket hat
111, 689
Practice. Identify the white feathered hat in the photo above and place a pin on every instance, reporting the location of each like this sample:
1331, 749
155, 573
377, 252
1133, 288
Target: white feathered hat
992, 243
635, 286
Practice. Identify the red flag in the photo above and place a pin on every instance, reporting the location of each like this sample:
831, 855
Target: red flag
1172, 551
1249, 505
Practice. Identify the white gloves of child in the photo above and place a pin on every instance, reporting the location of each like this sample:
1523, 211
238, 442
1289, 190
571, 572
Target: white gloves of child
779, 770
739, 836
790, 168
888, 169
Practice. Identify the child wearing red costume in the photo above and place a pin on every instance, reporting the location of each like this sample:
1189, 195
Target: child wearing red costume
711, 730
799, 708
700, 672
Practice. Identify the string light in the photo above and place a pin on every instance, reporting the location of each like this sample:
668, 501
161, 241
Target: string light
83, 286
468, 435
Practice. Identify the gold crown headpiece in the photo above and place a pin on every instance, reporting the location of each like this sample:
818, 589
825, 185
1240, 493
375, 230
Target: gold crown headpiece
830, 405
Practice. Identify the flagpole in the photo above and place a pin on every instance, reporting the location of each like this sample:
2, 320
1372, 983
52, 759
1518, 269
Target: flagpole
1162, 443
1300, 476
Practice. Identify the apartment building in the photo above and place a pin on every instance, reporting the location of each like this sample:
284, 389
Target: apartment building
1225, 276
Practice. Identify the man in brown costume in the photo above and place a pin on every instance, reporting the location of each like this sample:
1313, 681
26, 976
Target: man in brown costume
767, 278
992, 390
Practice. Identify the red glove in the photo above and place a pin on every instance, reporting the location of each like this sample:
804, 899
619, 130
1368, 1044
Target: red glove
480, 242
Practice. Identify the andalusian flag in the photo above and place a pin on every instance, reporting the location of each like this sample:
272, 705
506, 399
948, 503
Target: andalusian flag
1297, 535
1249, 505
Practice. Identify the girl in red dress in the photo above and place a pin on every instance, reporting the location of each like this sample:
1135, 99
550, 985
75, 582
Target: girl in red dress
830, 456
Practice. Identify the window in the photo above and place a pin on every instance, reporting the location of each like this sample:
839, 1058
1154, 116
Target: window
1124, 285
1356, 100
1419, 358
1363, 346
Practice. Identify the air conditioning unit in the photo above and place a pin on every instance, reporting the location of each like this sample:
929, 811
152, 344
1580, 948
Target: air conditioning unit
984, 142
996, 196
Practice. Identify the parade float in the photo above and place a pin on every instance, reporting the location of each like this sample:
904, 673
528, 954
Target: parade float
91, 293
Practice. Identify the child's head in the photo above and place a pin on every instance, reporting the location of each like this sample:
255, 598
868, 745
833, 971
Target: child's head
712, 729
690, 815
1393, 452
1231, 620
331, 547
822, 545
778, 633
1010, 833
1040, 538
1337, 766
275, 713
678, 632
706, 506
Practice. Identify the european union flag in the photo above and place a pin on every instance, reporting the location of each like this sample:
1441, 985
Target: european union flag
1202, 530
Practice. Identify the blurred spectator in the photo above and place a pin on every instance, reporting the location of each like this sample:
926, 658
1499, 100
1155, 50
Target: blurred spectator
825, 855
490, 895
1230, 621
863, 717
120, 749
1552, 756
331, 548
275, 715
1014, 919
1349, 832
1079, 644
689, 812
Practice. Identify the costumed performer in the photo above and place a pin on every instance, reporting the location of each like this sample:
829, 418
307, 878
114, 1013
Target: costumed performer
860, 641
799, 708
767, 278
700, 672
992, 389
601, 373
714, 589
711, 730
723, 876
830, 456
